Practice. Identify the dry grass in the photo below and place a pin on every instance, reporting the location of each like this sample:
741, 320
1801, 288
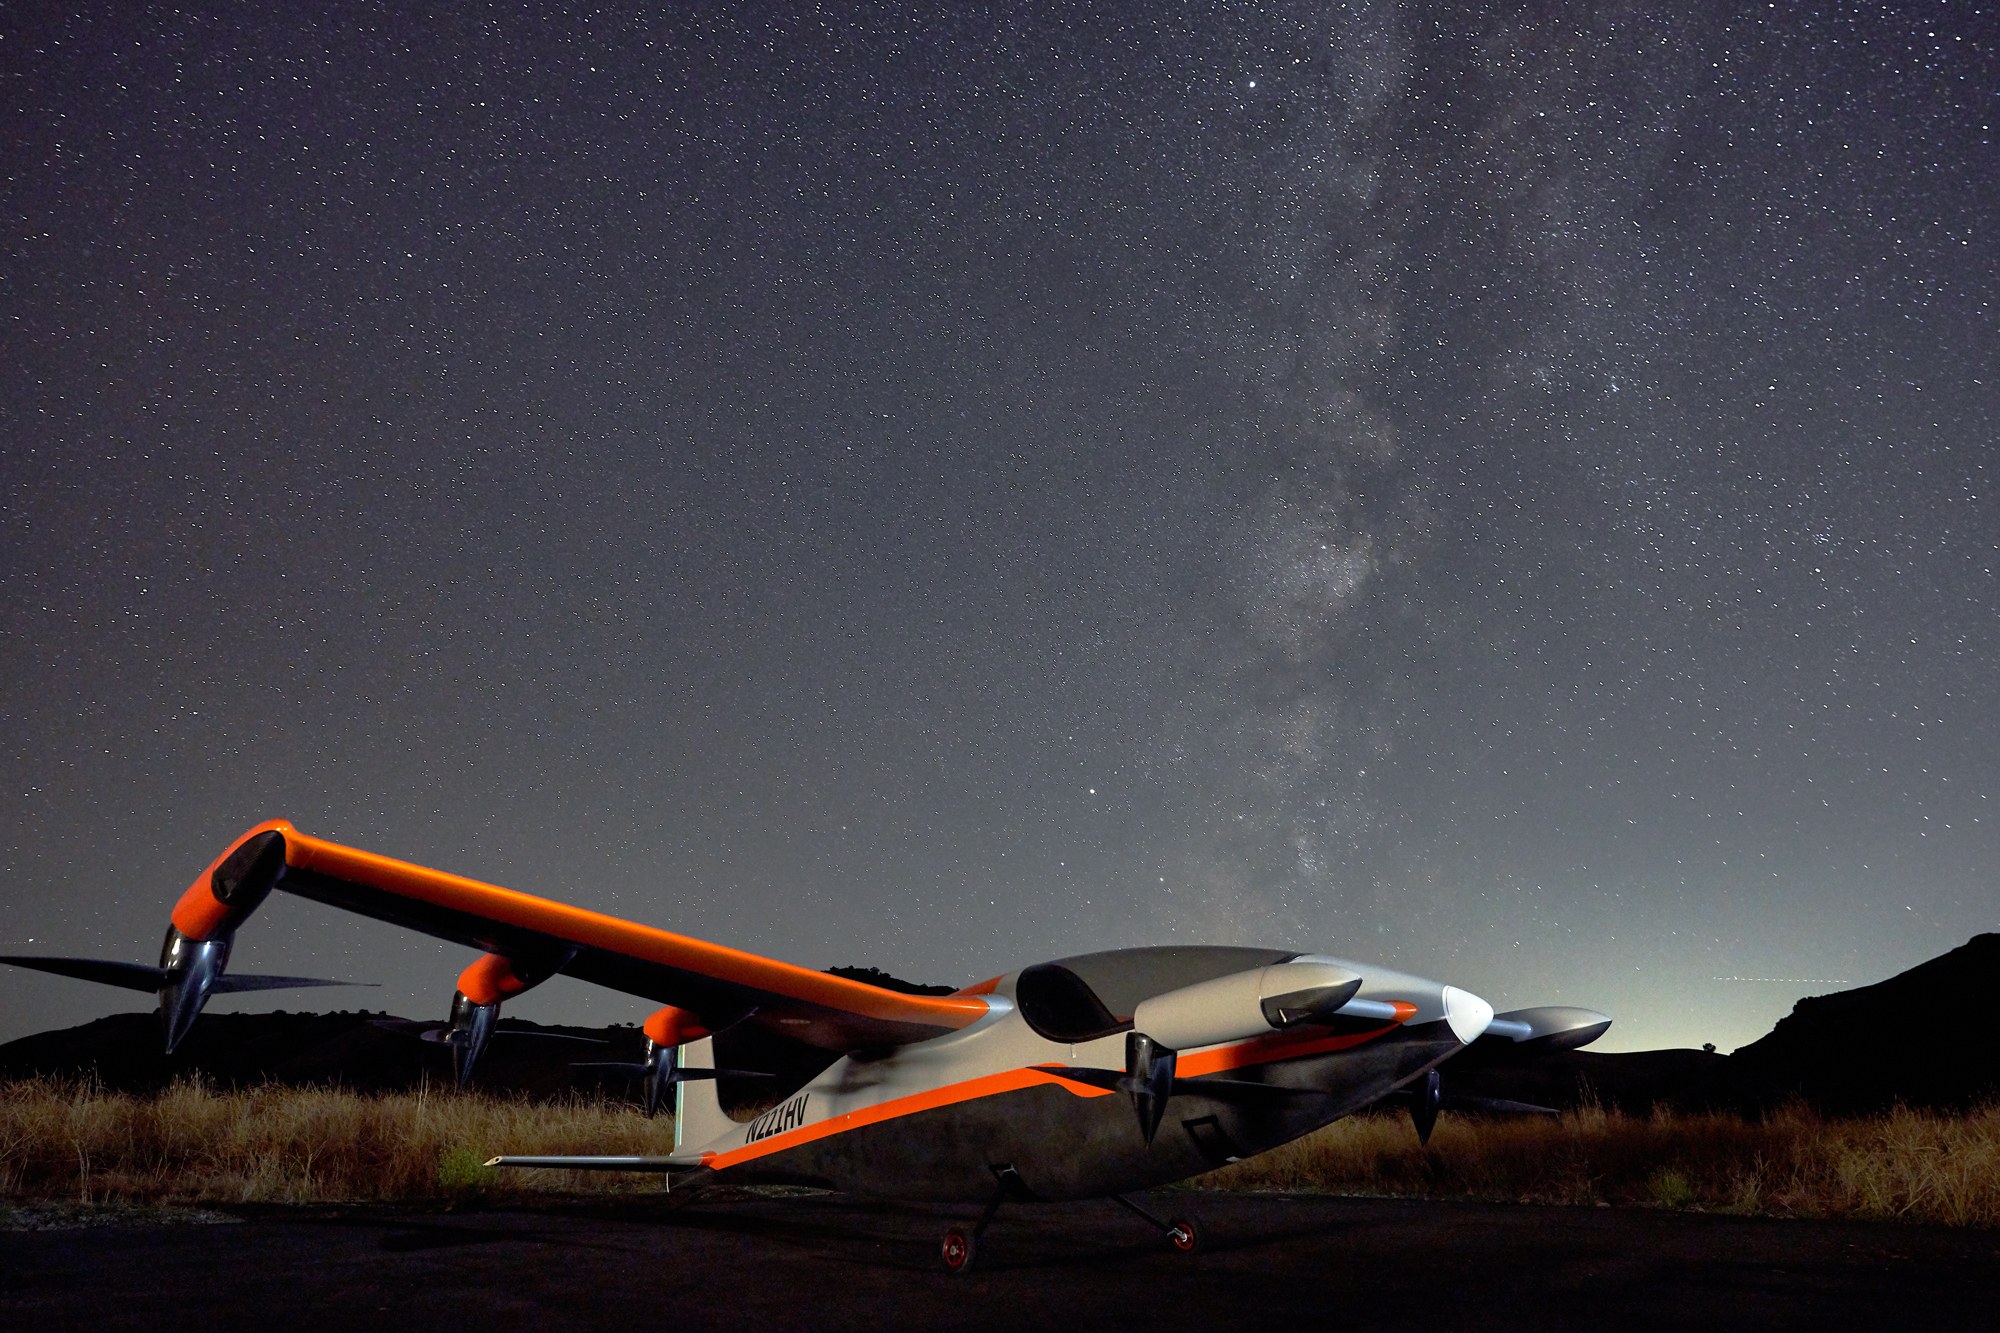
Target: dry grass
1909, 1164
62, 1140
68, 1141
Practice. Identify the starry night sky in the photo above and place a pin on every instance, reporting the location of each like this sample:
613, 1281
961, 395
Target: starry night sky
1507, 492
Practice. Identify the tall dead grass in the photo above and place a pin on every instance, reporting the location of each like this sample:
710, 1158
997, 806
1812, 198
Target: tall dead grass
71, 1141
65, 1140
1917, 1165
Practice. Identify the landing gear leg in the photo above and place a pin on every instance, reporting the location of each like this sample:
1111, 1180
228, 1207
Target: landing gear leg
682, 1188
961, 1246
1181, 1232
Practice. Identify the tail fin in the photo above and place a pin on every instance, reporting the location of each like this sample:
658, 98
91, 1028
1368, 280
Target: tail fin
698, 1115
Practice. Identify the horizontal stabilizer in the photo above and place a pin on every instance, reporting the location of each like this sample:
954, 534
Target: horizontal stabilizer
139, 976
661, 1165
635, 1067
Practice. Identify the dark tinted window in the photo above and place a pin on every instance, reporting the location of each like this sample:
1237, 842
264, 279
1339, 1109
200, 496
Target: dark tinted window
1058, 1004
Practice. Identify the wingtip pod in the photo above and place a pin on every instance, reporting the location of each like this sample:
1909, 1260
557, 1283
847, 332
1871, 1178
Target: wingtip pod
196, 951
1550, 1027
235, 884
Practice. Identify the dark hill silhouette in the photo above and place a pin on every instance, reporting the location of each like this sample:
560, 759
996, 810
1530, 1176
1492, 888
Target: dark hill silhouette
123, 1052
1631, 1081
1923, 1038
875, 976
374, 1052
1919, 1038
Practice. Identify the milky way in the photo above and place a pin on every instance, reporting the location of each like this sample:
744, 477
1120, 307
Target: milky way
1505, 493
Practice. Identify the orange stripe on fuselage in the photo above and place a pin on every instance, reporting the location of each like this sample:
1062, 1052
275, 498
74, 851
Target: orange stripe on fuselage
1257, 1051
1282, 1046
1011, 1080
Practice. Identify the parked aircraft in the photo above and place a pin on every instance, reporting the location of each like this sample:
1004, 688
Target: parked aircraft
1085, 1077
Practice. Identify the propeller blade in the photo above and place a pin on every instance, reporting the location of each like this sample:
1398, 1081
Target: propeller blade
1424, 1105
1496, 1106
1241, 1090
441, 1033
130, 976
138, 976
408, 1027
1149, 1079
229, 982
549, 1036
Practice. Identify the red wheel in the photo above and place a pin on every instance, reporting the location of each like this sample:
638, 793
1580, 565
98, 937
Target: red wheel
1183, 1235
957, 1250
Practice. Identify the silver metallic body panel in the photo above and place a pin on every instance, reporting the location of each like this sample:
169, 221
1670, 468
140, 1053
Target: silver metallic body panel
939, 1119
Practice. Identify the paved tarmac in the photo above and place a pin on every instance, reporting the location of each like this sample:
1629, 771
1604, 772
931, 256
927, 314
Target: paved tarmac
819, 1262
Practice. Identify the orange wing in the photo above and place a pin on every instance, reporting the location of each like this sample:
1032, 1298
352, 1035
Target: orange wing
719, 984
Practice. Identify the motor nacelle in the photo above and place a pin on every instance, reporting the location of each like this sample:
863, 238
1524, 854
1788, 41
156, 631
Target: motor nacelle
466, 1032
196, 951
1247, 1004
189, 969
475, 1005
1549, 1027
667, 1030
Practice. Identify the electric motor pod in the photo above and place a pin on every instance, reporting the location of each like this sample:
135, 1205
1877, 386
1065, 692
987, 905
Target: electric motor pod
189, 969
221, 900
1550, 1027
1246, 1004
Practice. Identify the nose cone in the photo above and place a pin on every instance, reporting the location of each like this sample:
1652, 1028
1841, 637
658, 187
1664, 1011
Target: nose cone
1466, 1014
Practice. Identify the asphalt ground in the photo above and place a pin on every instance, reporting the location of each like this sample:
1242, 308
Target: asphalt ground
821, 1262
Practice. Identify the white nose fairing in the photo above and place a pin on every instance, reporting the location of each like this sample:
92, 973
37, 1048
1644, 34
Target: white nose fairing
1466, 1014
